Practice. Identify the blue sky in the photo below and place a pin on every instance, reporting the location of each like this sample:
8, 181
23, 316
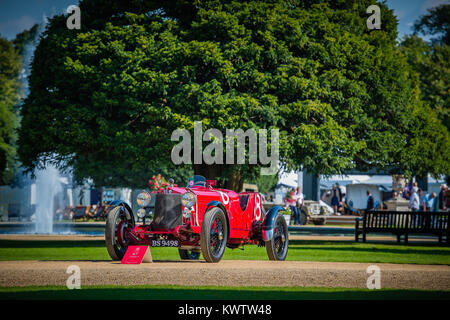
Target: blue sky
408, 11
18, 15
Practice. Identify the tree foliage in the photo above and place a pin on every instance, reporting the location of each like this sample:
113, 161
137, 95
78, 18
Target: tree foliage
10, 67
105, 99
26, 38
435, 22
266, 183
432, 63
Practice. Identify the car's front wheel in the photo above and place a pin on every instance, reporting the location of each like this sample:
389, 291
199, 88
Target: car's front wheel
118, 224
214, 235
277, 247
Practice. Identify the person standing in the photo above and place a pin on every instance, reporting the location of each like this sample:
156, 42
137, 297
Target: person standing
407, 190
300, 199
442, 200
427, 202
435, 205
335, 199
370, 201
414, 200
291, 203
447, 199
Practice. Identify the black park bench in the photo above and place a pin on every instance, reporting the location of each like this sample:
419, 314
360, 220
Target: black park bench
403, 223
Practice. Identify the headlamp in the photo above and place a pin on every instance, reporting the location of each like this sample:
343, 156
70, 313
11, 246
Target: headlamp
143, 199
187, 213
188, 199
141, 213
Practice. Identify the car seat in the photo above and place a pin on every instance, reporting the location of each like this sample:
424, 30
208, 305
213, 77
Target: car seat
243, 200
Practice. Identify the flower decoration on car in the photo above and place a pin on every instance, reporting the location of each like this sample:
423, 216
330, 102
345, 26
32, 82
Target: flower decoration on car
158, 182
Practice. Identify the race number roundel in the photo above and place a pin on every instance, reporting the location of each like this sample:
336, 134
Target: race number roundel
225, 198
195, 214
258, 210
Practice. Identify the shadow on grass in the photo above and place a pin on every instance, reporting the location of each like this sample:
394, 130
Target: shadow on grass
314, 245
168, 293
101, 243
345, 242
51, 243
355, 249
118, 262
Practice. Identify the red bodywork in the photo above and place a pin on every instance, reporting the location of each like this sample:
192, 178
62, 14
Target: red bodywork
244, 225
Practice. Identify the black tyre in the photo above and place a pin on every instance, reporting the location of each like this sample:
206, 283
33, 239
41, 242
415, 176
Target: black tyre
118, 223
188, 254
214, 235
277, 247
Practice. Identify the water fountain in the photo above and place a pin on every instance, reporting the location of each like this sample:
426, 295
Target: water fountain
48, 188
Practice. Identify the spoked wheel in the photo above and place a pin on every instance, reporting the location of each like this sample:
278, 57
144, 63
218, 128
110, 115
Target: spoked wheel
118, 225
214, 235
277, 248
188, 254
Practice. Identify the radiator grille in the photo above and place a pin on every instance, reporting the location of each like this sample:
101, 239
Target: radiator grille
168, 213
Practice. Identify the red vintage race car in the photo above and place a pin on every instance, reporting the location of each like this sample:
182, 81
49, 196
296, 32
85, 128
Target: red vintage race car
198, 219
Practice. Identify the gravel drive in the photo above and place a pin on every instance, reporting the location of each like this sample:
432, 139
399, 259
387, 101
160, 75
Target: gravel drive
226, 273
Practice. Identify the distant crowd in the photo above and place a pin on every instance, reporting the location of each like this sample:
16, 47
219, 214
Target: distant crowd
428, 202
418, 200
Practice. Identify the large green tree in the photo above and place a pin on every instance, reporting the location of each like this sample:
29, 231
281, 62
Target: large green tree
10, 67
436, 22
432, 64
105, 99
431, 61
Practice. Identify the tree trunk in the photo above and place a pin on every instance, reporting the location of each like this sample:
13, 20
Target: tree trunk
233, 181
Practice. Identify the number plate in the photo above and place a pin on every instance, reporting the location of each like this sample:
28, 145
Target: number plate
165, 243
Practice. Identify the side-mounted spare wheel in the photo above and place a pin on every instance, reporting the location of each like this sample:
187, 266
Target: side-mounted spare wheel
214, 234
119, 223
277, 247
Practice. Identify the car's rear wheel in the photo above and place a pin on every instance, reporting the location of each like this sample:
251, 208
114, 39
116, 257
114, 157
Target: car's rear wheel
119, 223
214, 235
277, 247
188, 254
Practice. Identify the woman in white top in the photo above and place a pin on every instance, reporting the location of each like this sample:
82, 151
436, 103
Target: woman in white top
299, 199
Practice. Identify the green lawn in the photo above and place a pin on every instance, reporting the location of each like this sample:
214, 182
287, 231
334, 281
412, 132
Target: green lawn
344, 251
214, 293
